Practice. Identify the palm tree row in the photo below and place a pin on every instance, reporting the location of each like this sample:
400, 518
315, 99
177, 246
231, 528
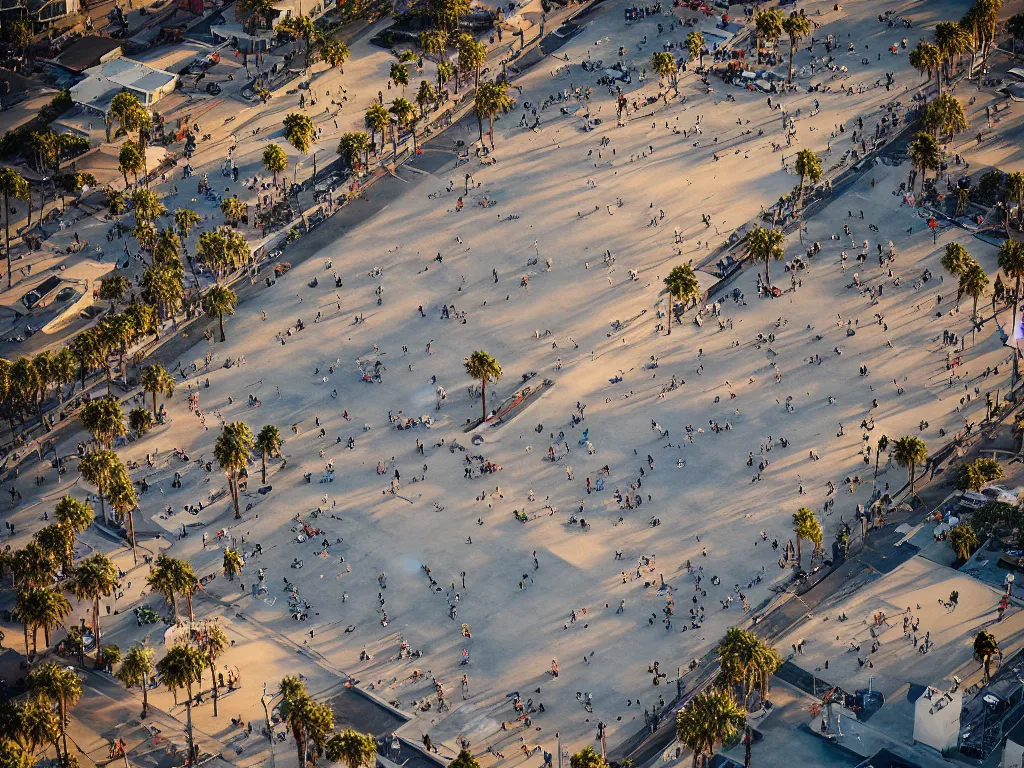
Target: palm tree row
312, 726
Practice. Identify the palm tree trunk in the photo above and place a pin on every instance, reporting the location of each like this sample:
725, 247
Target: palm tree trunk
767, 271
490, 129
483, 398
26, 640
7, 233
670, 308
145, 698
96, 626
188, 601
63, 731
233, 483
46, 635
264, 468
480, 124
131, 536
746, 749
792, 50
103, 512
799, 557
223, 338
188, 727
213, 676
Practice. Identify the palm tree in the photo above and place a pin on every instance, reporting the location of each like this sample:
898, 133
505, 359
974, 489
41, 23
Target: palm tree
695, 47
31, 725
908, 452
120, 332
465, 759
587, 758
130, 160
114, 288
164, 578
147, 205
953, 41
13, 755
924, 155
472, 55
681, 284
664, 64
137, 669
1011, 261
303, 27
233, 563
377, 120
986, 14
974, 283
711, 718
335, 53
796, 26
63, 370
88, 351
104, 418
233, 210
97, 468
232, 450
806, 526
404, 116
185, 580
12, 186
74, 513
32, 566
353, 147
425, 95
182, 668
213, 646
95, 577
963, 540
274, 160
445, 72
945, 115
356, 750
40, 607
491, 100
268, 443
400, 75
218, 300
956, 259
768, 24
809, 167
765, 245
926, 58
155, 381
58, 540
985, 647
163, 286
434, 42
482, 367
746, 662
299, 131
185, 219
309, 721
222, 250
61, 686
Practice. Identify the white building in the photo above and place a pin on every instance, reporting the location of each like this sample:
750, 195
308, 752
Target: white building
104, 82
